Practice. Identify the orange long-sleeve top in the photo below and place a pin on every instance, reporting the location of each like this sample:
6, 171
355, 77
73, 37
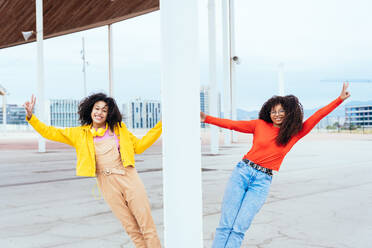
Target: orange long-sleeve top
265, 150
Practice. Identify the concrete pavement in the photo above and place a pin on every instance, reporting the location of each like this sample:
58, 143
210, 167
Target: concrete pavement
322, 196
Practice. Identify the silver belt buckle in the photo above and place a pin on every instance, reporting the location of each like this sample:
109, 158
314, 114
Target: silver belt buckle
107, 171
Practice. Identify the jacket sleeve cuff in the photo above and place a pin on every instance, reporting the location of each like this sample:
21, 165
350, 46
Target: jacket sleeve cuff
207, 119
339, 100
31, 119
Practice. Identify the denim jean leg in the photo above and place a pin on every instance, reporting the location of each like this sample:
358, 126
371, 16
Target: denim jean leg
232, 201
253, 201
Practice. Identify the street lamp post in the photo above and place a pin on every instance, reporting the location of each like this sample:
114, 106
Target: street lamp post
85, 63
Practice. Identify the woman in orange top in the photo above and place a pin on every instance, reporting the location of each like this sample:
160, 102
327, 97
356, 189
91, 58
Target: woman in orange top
278, 128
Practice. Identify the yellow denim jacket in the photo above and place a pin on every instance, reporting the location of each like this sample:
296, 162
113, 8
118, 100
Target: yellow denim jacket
82, 139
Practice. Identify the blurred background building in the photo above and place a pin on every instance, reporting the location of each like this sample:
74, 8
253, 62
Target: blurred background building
63, 112
359, 116
15, 115
144, 113
139, 113
204, 103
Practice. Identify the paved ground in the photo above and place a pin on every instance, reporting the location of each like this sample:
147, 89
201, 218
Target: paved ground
322, 196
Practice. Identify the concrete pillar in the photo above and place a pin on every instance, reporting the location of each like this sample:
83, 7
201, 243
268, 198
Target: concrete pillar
111, 61
181, 124
226, 68
40, 108
233, 64
214, 132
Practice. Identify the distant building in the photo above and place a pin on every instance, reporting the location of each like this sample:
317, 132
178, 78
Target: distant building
140, 113
204, 102
64, 113
360, 116
15, 115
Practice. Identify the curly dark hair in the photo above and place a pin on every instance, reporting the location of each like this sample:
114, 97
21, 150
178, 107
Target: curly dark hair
292, 122
86, 107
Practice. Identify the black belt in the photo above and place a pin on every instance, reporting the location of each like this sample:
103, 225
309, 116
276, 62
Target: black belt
258, 167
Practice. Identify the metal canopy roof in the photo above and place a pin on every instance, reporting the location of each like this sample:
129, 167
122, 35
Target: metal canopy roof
65, 16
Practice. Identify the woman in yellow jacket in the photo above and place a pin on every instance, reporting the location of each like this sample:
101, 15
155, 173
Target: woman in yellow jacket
105, 149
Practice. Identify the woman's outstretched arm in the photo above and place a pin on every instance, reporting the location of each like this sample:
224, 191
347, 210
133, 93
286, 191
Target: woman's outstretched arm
311, 122
140, 145
240, 126
64, 135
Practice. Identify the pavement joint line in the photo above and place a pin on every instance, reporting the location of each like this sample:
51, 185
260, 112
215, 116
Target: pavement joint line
359, 163
78, 178
46, 181
318, 192
303, 196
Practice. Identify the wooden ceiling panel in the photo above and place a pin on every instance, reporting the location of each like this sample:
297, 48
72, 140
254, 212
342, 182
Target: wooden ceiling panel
65, 16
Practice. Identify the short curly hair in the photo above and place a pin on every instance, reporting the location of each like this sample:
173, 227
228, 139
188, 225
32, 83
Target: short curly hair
292, 122
86, 106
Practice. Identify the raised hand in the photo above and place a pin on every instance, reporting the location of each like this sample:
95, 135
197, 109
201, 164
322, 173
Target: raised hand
29, 106
344, 93
202, 117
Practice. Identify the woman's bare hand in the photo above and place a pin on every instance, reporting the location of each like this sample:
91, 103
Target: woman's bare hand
345, 93
202, 117
29, 106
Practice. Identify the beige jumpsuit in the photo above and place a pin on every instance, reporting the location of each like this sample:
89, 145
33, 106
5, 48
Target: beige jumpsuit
125, 193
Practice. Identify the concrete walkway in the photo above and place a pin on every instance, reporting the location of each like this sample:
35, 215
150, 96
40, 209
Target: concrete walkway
322, 197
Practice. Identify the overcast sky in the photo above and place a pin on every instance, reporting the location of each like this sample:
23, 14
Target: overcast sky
318, 39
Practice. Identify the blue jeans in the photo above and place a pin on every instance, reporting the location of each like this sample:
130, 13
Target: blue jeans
245, 194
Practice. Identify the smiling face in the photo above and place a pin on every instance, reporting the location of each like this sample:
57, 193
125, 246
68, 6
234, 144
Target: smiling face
277, 115
99, 114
